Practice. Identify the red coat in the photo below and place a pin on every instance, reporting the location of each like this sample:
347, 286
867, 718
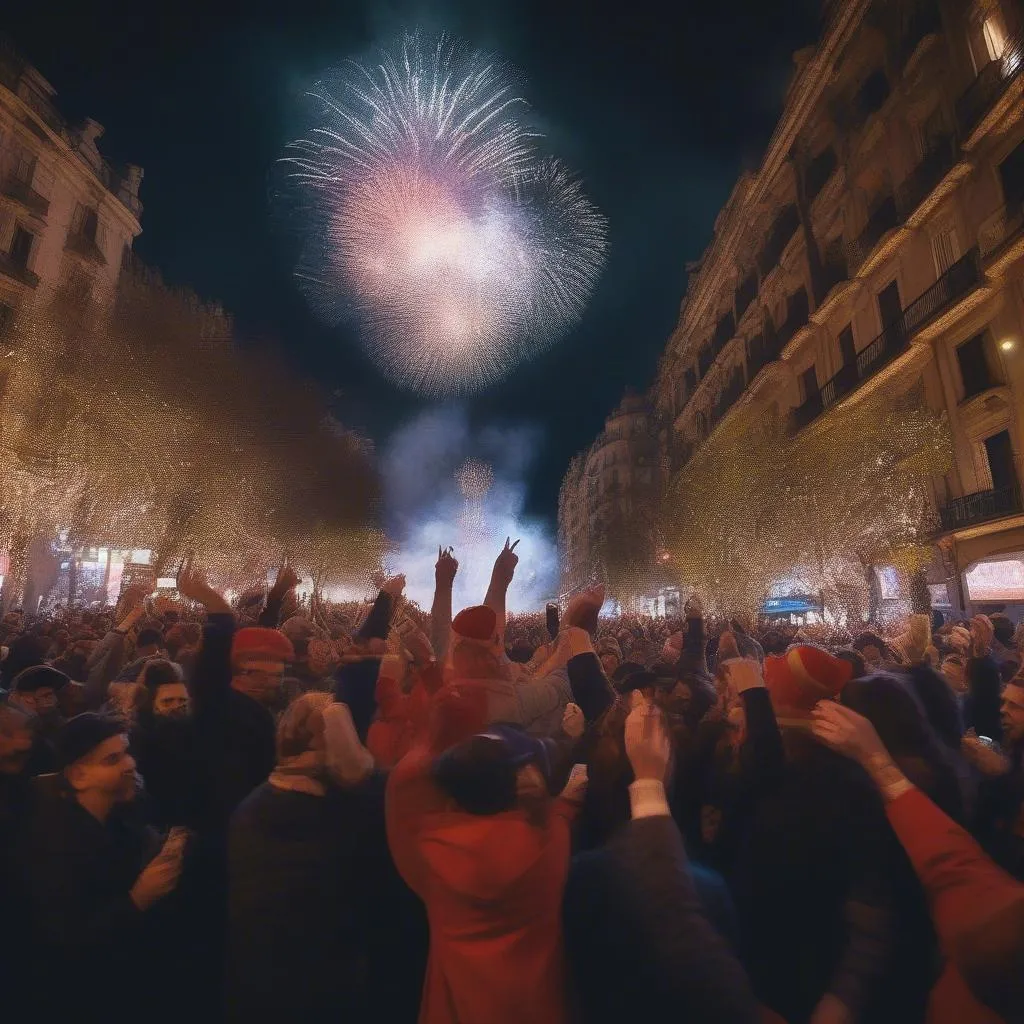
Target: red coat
966, 891
492, 887
401, 717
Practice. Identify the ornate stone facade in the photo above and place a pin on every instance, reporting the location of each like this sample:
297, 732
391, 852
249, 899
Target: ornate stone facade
880, 245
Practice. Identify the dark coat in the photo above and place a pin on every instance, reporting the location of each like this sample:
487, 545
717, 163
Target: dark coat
318, 919
77, 874
168, 757
827, 899
638, 936
234, 733
982, 700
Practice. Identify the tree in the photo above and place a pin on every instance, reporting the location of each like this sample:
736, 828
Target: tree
820, 509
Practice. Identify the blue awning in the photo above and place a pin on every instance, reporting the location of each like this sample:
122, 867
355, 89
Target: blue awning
789, 606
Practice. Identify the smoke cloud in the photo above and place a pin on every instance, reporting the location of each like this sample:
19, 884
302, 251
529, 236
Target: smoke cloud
425, 509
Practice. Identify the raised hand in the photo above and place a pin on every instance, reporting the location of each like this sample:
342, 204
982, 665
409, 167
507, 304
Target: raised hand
394, 586
506, 562
287, 578
445, 568
584, 608
191, 583
160, 875
647, 744
846, 732
573, 722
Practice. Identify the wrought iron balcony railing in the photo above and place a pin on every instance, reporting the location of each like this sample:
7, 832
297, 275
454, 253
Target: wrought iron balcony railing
883, 219
953, 285
985, 91
981, 507
921, 181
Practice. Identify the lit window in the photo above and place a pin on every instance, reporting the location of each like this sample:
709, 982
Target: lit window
995, 38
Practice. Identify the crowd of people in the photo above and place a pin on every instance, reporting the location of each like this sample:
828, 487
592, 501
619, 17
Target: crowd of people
271, 811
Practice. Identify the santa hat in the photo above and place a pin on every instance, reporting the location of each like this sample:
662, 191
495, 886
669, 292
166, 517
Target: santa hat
261, 642
476, 623
801, 677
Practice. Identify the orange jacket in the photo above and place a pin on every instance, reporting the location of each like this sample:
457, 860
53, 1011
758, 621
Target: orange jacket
976, 908
492, 887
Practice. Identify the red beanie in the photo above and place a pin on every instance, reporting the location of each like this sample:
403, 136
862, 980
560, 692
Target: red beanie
261, 642
802, 676
476, 623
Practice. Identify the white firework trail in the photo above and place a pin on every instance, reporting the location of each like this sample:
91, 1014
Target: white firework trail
433, 220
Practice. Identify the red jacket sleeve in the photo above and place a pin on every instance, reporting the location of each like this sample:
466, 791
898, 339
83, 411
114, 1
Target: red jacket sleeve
963, 884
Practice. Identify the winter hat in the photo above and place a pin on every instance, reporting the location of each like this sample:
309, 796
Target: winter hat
85, 733
39, 677
960, 638
621, 676
300, 725
476, 623
479, 773
261, 642
801, 677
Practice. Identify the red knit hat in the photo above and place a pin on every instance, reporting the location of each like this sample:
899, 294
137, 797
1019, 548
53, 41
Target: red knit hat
476, 623
802, 676
261, 642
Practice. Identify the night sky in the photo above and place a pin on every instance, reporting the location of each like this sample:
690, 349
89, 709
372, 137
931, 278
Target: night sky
657, 104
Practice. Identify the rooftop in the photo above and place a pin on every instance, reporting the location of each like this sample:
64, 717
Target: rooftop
24, 81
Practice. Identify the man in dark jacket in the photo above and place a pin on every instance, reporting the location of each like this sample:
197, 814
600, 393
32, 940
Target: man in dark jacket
95, 878
633, 917
309, 873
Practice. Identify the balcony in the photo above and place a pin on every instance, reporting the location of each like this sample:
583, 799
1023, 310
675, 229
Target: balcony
981, 507
745, 294
954, 284
834, 269
26, 196
883, 220
16, 272
797, 312
761, 350
86, 247
961, 278
784, 228
922, 180
727, 399
988, 88
1001, 227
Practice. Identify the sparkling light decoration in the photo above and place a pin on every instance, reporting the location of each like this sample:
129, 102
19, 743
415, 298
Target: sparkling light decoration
475, 478
433, 219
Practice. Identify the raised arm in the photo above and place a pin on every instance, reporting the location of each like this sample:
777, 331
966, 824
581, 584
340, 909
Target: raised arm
441, 608
211, 678
501, 576
286, 581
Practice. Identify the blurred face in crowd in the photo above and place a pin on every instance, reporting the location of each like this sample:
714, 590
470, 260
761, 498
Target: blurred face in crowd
609, 662
1012, 713
42, 702
108, 770
871, 654
953, 672
15, 741
171, 700
259, 678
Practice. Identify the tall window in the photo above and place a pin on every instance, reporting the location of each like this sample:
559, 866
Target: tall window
21, 247
995, 37
25, 166
945, 248
974, 371
85, 222
808, 383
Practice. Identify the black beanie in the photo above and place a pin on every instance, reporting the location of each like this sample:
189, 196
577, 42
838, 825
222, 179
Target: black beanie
39, 677
85, 733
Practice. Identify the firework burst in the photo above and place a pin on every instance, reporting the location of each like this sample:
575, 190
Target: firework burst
433, 220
